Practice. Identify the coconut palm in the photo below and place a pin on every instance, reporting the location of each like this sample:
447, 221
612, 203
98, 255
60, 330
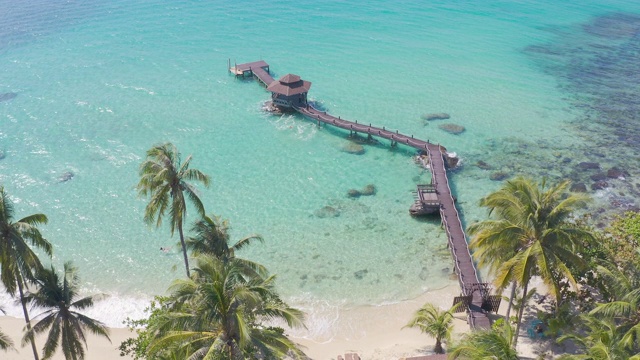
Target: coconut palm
211, 237
164, 178
5, 342
537, 219
66, 326
495, 343
219, 314
434, 322
601, 340
492, 247
624, 309
17, 259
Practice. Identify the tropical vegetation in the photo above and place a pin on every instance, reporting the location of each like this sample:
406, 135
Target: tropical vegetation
495, 343
434, 322
222, 313
65, 326
531, 234
18, 261
5, 341
164, 178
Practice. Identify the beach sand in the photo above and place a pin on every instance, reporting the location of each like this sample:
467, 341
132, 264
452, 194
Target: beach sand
99, 347
374, 332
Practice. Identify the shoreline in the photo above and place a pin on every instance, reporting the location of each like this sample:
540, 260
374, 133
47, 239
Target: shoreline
374, 332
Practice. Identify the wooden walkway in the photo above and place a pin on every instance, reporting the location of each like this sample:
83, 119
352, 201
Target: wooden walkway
395, 137
258, 69
464, 266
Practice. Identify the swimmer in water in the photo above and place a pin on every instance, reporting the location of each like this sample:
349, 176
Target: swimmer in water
165, 249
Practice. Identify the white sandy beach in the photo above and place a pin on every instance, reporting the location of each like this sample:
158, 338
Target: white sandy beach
374, 332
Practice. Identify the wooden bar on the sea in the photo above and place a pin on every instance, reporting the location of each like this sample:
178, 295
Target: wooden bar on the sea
291, 92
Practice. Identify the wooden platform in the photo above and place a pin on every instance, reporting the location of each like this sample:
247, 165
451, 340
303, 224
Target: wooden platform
257, 69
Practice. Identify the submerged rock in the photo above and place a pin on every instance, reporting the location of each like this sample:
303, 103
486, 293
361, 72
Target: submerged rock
578, 187
452, 128
66, 177
585, 165
327, 212
360, 274
599, 185
368, 190
483, 165
498, 176
615, 173
598, 177
353, 148
7, 96
435, 116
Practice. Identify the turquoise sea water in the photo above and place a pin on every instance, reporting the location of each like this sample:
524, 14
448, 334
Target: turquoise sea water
540, 86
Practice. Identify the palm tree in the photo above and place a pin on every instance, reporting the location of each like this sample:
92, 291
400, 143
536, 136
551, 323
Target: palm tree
624, 309
5, 341
219, 314
164, 178
495, 343
602, 340
434, 322
533, 219
212, 238
17, 259
66, 326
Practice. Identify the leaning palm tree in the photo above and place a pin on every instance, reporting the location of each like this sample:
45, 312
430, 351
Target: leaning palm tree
495, 343
220, 314
537, 220
164, 178
492, 247
434, 322
211, 237
66, 326
17, 259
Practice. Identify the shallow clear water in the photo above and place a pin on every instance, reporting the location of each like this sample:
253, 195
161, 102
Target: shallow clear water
98, 83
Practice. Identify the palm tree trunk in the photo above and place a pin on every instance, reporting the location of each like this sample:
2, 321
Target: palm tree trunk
522, 306
438, 348
184, 249
513, 295
26, 319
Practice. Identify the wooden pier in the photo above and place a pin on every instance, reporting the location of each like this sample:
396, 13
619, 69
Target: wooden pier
475, 293
257, 69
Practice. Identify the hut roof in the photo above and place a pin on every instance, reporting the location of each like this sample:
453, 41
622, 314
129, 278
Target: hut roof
289, 85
